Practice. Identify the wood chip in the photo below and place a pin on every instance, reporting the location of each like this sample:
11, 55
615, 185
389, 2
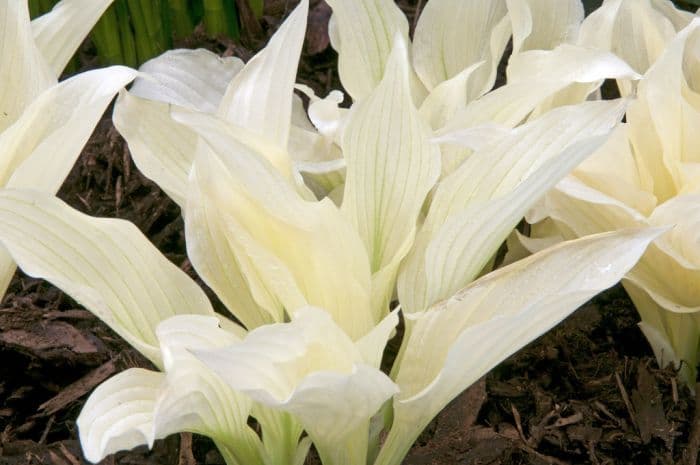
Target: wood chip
76, 390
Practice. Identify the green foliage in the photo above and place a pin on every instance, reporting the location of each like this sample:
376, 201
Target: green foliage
133, 31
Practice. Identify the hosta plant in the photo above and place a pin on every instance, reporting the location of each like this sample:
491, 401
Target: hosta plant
43, 123
310, 280
647, 174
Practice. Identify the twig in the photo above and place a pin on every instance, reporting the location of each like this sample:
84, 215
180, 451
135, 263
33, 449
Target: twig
691, 451
626, 399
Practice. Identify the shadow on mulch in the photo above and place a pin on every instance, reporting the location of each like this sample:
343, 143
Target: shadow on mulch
588, 392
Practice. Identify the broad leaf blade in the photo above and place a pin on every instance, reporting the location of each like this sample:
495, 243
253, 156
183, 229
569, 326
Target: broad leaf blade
24, 72
452, 35
60, 32
105, 264
365, 37
391, 167
456, 342
259, 98
41, 147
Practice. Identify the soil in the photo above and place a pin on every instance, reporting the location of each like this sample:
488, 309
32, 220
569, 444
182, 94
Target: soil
588, 392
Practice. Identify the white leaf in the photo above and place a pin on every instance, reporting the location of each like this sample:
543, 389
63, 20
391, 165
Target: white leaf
391, 166
59, 33
118, 415
452, 35
162, 149
473, 209
457, 341
259, 98
310, 368
107, 265
544, 24
24, 72
40, 148
257, 207
364, 33
195, 79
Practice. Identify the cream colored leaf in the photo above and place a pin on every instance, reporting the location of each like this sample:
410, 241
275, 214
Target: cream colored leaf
162, 149
673, 336
310, 368
138, 406
216, 260
195, 399
259, 98
456, 342
287, 247
452, 35
59, 33
107, 265
447, 97
40, 148
24, 72
535, 76
632, 29
195, 79
544, 24
391, 166
365, 31
118, 415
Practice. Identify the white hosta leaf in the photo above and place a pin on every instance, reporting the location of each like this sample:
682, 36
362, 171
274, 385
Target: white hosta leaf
138, 406
162, 149
310, 368
59, 33
469, 219
544, 24
288, 248
107, 265
588, 211
452, 35
220, 133
217, 261
462, 247
671, 116
454, 343
632, 29
474, 138
195, 399
391, 166
259, 98
40, 148
615, 171
498, 168
447, 97
195, 79
670, 269
118, 415
679, 18
313, 143
673, 336
365, 31
24, 72
535, 76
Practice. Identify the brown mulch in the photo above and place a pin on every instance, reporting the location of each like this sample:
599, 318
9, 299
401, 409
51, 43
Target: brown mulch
588, 392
